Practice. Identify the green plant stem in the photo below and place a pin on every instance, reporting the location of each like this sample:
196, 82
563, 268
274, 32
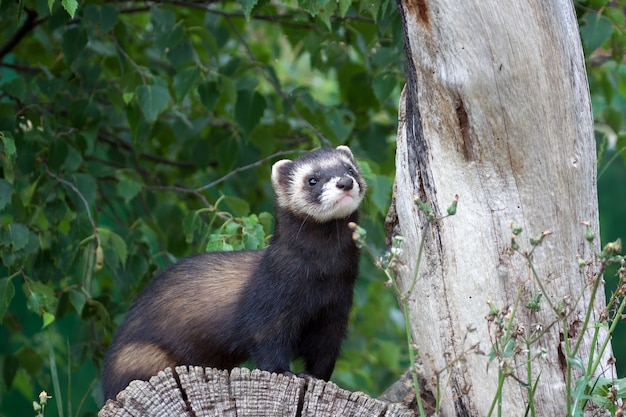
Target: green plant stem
407, 329
610, 161
616, 320
419, 258
407, 326
407, 323
539, 283
501, 346
594, 340
568, 371
529, 370
54, 374
497, 399
531, 397
69, 378
590, 308
90, 265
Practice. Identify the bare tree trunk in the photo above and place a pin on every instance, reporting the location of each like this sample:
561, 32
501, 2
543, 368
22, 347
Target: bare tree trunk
497, 110
200, 392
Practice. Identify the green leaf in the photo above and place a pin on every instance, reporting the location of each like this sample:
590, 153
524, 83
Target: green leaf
184, 80
577, 362
30, 360
5, 193
339, 123
48, 318
152, 99
74, 41
616, 15
8, 147
18, 235
78, 300
163, 19
119, 247
344, 5
238, 206
266, 220
113, 241
8, 143
70, 7
57, 153
86, 185
7, 292
326, 12
217, 242
94, 309
16, 88
209, 94
384, 85
595, 32
9, 369
191, 223
40, 297
247, 6
509, 349
390, 353
249, 109
313, 6
379, 193
251, 241
109, 16
128, 189
106, 16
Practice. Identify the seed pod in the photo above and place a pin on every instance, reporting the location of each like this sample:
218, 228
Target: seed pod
99, 258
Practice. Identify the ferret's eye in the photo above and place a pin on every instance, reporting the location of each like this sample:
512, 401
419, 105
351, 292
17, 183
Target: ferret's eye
350, 171
312, 181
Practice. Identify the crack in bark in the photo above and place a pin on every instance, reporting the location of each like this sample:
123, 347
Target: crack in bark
416, 147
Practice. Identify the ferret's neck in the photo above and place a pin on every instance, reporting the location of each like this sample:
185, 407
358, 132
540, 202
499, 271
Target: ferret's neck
290, 227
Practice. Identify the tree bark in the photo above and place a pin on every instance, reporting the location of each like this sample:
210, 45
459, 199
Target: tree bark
200, 392
496, 109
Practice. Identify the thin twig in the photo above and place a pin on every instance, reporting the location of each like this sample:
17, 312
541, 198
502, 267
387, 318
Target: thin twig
118, 142
237, 170
77, 191
241, 169
133, 63
29, 24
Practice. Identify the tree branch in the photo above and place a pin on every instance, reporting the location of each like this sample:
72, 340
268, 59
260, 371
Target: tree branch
29, 24
117, 142
77, 191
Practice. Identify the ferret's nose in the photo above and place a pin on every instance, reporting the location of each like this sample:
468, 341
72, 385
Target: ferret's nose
346, 184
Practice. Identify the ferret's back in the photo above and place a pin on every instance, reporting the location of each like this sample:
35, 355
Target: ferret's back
181, 316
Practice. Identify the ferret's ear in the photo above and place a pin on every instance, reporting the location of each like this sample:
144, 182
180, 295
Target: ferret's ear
346, 151
280, 176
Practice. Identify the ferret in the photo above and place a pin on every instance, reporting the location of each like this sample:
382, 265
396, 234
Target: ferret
291, 299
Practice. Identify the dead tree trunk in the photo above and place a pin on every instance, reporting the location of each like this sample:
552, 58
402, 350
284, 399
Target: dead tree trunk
496, 109
202, 392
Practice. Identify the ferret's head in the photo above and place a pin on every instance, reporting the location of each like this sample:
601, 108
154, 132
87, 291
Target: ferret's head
322, 185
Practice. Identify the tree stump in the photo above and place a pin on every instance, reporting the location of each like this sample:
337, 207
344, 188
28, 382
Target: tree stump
241, 392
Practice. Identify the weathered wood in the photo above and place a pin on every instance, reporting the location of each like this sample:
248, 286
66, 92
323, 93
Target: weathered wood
241, 392
496, 109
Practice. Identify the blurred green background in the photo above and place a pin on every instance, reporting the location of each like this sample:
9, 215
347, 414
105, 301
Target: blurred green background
121, 124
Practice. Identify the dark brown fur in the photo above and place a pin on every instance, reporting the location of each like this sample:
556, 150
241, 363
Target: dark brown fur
219, 309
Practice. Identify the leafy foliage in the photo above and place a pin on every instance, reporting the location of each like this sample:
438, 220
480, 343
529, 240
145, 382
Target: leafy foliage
603, 31
133, 134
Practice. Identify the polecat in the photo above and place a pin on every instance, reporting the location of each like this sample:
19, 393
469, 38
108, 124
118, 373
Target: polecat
291, 299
